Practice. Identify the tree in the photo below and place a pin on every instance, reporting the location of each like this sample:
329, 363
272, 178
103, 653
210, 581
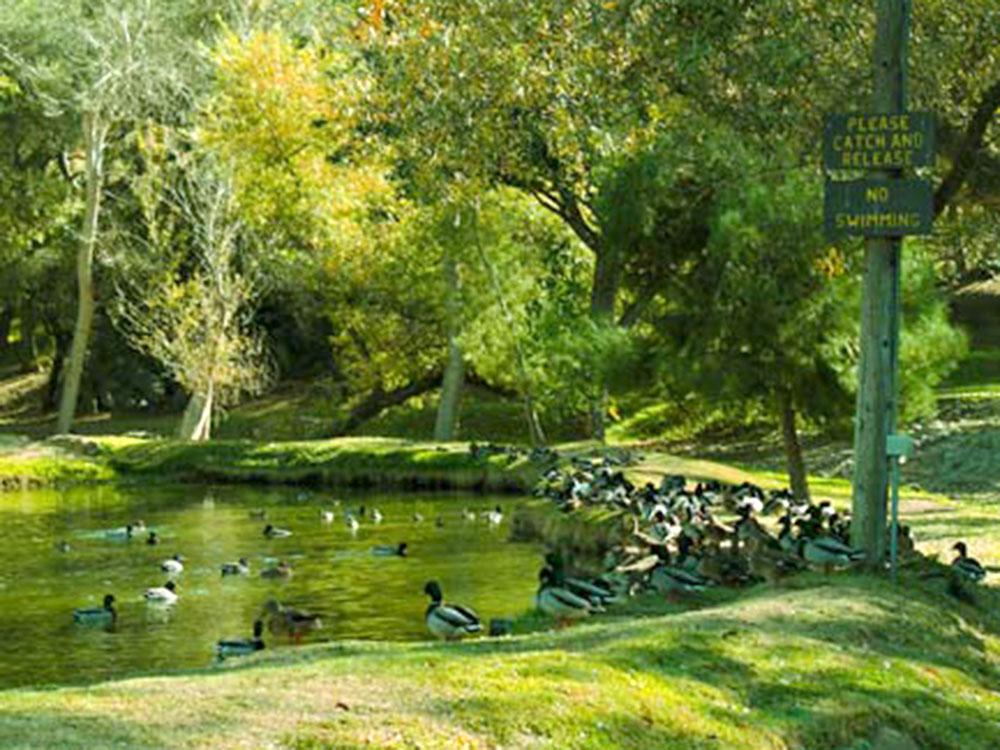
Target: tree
106, 64
190, 301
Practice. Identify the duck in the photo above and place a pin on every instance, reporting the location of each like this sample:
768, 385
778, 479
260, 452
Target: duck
288, 621
828, 552
672, 580
326, 516
558, 601
387, 550
152, 539
495, 516
242, 646
105, 614
772, 565
352, 523
418, 517
123, 532
165, 594
468, 515
239, 568
281, 570
274, 532
967, 567
173, 565
449, 621
377, 515
62, 546
594, 590
257, 514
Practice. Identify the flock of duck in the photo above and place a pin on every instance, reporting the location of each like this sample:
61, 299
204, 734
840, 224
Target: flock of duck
280, 619
672, 541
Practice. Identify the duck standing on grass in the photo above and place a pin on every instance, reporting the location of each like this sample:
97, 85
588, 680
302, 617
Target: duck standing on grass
559, 602
242, 646
165, 594
449, 621
103, 615
966, 567
828, 552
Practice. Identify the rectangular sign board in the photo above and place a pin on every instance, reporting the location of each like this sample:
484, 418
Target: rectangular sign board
872, 141
878, 208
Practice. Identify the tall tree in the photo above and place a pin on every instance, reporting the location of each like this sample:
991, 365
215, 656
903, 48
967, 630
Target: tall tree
107, 64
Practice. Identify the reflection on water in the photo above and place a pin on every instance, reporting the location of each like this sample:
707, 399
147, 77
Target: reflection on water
334, 572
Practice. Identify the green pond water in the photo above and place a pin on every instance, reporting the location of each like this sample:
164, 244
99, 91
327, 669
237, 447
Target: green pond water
335, 573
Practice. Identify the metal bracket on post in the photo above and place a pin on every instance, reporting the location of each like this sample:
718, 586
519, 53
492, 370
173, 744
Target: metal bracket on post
898, 448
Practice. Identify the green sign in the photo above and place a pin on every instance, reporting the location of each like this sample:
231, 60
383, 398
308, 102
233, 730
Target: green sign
878, 208
870, 141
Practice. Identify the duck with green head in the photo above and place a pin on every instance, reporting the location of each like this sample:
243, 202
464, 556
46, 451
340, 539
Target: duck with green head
558, 601
242, 646
449, 621
103, 615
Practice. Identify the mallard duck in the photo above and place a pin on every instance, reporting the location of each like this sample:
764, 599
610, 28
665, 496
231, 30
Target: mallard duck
239, 568
104, 614
242, 646
468, 515
62, 546
152, 539
558, 601
165, 594
967, 567
386, 550
257, 514
326, 516
495, 516
281, 570
174, 565
288, 621
274, 532
786, 539
828, 552
672, 580
772, 565
377, 516
123, 532
448, 621
595, 590
352, 523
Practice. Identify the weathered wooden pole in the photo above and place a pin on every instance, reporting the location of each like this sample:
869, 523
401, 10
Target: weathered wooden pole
877, 386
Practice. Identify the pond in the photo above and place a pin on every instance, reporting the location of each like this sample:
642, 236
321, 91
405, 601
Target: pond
335, 573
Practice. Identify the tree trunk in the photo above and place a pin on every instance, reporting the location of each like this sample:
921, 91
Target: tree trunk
793, 448
27, 351
6, 319
603, 294
94, 132
196, 424
451, 388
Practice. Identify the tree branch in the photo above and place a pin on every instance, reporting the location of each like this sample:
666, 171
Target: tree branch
970, 145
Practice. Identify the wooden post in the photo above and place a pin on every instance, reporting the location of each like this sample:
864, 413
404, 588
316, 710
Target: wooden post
877, 382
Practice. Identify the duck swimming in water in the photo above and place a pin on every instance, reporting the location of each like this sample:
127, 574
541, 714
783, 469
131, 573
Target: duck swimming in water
387, 550
242, 646
239, 568
173, 565
103, 615
165, 594
273, 532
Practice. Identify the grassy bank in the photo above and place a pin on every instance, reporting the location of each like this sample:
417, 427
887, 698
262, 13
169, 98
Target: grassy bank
827, 664
24, 465
344, 461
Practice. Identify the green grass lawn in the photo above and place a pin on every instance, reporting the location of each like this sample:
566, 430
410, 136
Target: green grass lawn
820, 664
